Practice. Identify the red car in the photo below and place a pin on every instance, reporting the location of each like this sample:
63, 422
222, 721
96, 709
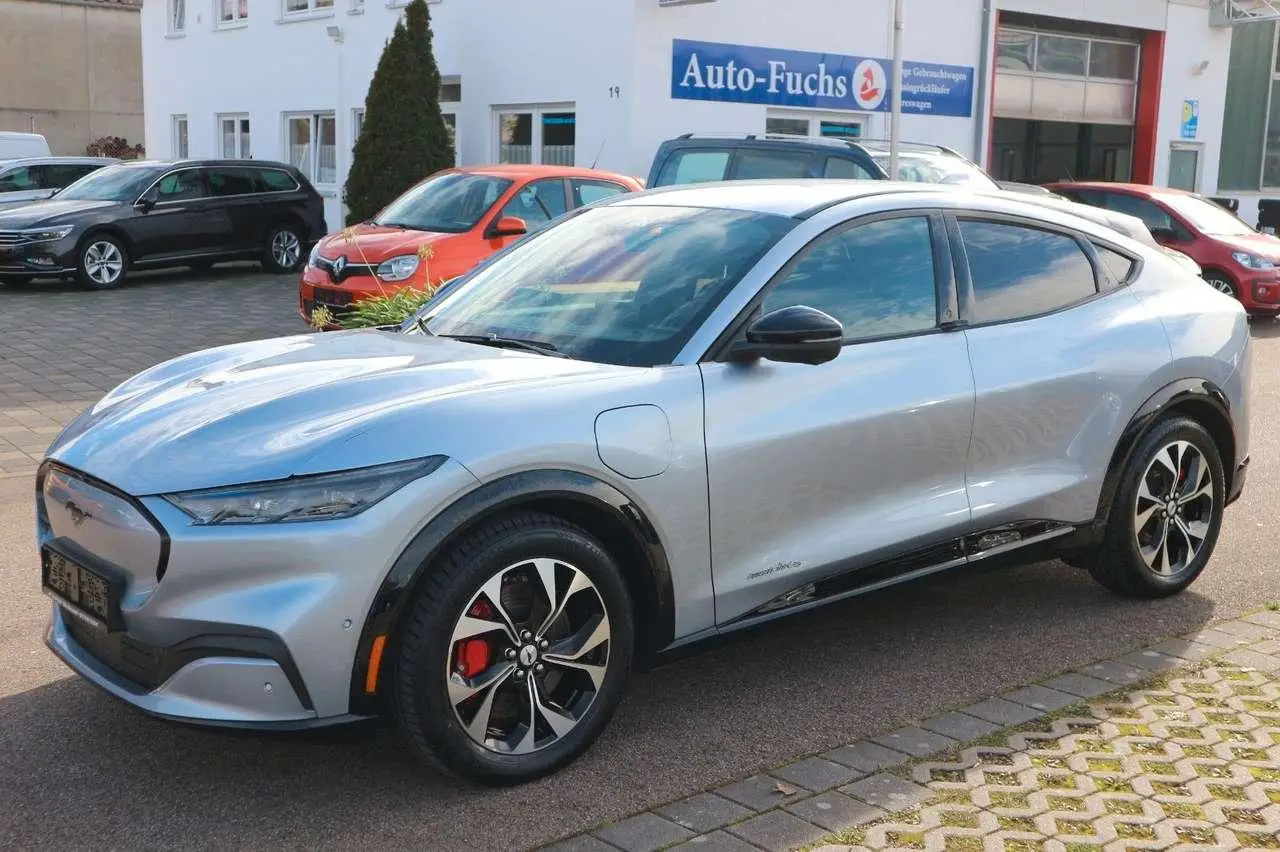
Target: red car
443, 226
1233, 257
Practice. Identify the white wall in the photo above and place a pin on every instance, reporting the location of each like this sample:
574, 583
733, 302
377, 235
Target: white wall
1189, 41
946, 33
506, 53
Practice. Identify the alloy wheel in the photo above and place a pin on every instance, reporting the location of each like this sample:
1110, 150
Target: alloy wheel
1173, 510
285, 249
528, 656
103, 262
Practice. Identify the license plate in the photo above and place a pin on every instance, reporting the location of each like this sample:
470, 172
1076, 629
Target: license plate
87, 590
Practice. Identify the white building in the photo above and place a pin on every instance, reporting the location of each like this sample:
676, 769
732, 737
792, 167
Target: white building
1029, 88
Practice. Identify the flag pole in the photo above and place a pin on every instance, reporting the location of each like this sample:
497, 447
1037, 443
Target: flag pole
895, 115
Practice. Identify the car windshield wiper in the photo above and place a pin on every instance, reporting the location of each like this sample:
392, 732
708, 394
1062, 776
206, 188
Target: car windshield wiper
537, 346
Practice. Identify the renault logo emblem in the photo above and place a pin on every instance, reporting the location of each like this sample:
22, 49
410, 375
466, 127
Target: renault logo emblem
339, 265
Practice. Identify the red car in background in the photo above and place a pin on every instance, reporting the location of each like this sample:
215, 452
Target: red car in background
1233, 257
444, 226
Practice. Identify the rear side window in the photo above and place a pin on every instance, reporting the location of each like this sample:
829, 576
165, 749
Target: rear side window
588, 191
844, 168
19, 180
694, 167
223, 182
277, 181
1020, 272
62, 175
754, 164
1117, 266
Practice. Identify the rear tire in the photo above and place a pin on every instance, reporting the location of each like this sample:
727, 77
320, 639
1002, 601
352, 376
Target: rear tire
283, 252
1165, 520
102, 263
456, 659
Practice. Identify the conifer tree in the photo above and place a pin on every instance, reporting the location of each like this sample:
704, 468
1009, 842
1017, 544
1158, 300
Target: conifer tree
404, 137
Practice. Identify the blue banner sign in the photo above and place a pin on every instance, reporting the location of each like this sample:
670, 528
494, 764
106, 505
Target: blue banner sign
711, 71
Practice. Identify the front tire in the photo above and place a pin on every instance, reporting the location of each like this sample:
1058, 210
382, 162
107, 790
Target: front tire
1221, 283
516, 651
283, 252
1165, 521
103, 263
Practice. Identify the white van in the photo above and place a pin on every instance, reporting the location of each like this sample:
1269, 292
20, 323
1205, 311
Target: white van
14, 145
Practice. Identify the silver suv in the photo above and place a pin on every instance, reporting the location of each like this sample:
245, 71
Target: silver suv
34, 179
667, 416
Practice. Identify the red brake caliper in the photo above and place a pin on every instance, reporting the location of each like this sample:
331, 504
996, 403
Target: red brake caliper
473, 654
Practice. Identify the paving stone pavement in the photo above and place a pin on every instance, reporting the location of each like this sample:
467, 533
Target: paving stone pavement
62, 348
1171, 747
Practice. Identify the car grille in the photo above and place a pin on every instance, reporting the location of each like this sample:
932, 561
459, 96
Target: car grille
136, 661
349, 270
14, 238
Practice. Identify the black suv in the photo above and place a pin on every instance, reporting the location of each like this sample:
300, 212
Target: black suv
695, 159
147, 214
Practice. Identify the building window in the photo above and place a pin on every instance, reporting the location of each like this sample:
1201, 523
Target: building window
233, 137
451, 124
177, 17
357, 125
1027, 52
231, 12
297, 7
1271, 149
181, 144
311, 142
829, 125
545, 135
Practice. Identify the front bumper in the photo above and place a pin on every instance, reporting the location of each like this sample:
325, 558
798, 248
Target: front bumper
255, 626
38, 259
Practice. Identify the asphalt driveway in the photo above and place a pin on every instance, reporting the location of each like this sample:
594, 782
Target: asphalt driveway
79, 770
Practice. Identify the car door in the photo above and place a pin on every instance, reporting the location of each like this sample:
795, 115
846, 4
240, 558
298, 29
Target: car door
818, 473
177, 219
1057, 353
235, 190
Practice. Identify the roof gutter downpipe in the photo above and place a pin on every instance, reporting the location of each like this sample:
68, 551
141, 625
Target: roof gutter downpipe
984, 74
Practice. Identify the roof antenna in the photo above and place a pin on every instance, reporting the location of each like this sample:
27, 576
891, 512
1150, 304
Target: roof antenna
598, 153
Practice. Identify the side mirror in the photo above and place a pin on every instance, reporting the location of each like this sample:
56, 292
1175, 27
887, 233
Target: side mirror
795, 335
510, 226
146, 203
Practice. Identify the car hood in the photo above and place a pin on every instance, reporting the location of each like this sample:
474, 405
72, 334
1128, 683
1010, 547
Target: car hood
291, 406
51, 212
378, 243
1263, 244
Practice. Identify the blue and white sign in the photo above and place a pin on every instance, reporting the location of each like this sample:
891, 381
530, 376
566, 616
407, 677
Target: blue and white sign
737, 73
1190, 119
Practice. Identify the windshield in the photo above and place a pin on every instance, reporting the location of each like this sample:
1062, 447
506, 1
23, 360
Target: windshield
1207, 217
110, 183
449, 202
626, 285
937, 168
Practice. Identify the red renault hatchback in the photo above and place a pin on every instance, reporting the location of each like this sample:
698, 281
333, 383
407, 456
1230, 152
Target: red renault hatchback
1234, 257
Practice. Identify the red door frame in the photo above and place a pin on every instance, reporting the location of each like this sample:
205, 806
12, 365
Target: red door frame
1146, 126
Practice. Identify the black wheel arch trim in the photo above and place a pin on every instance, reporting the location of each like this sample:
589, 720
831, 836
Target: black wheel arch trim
561, 492
1201, 392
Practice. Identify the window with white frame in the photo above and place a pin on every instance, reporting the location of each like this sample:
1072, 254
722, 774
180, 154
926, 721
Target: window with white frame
311, 145
813, 124
545, 134
451, 124
297, 7
233, 137
181, 143
231, 12
357, 125
177, 17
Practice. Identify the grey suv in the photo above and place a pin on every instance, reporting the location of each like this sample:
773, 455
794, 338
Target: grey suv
39, 178
667, 416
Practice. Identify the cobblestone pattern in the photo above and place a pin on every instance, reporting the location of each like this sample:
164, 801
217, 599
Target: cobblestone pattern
62, 348
1189, 758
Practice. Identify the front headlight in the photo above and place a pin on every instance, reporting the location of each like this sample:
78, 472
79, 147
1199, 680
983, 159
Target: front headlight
321, 497
315, 253
47, 235
398, 268
1251, 261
